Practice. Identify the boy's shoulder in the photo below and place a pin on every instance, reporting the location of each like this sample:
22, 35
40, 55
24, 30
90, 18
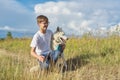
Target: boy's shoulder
36, 34
49, 31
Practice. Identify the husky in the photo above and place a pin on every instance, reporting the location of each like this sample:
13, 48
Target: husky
58, 41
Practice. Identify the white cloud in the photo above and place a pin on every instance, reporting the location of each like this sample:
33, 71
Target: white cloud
85, 23
12, 13
74, 16
56, 8
8, 28
115, 28
61, 14
80, 15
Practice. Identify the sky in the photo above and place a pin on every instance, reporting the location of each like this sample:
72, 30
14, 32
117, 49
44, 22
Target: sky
73, 16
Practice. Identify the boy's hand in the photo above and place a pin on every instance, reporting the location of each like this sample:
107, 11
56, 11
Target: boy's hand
41, 58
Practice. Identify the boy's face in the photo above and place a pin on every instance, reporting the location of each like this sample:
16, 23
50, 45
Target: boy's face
43, 25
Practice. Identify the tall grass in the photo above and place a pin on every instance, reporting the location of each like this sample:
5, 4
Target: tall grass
87, 59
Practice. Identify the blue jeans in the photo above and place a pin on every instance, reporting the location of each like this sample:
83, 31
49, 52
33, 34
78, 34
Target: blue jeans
52, 56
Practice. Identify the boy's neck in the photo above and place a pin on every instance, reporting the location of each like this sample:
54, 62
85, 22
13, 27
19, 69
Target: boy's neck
42, 31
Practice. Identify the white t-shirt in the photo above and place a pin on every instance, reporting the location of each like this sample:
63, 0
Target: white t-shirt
42, 42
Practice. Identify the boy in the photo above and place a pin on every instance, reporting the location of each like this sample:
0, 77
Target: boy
41, 43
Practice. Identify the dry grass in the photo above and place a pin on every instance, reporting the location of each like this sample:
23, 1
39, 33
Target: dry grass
87, 59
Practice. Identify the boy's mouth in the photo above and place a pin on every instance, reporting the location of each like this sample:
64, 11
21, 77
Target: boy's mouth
45, 27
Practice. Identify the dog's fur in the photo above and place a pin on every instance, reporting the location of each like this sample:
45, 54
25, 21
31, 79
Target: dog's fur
59, 38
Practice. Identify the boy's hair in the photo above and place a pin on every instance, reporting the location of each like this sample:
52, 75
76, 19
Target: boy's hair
42, 18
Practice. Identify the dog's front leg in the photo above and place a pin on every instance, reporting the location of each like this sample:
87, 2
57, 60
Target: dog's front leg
64, 61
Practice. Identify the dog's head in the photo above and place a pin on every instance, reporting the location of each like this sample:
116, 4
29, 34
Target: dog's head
59, 36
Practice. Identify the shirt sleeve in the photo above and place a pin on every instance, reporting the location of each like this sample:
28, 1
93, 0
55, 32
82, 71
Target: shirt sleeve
34, 41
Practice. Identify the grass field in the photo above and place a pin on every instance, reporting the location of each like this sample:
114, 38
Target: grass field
87, 59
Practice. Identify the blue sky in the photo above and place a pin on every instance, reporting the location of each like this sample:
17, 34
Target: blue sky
31, 3
74, 16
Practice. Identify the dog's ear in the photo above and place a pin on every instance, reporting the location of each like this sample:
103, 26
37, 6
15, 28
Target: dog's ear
58, 29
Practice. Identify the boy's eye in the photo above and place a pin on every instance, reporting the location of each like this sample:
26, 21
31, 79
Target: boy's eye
45, 22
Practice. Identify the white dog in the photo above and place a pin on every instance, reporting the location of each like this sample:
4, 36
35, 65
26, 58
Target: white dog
59, 38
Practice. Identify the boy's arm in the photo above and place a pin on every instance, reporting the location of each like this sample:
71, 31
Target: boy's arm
33, 53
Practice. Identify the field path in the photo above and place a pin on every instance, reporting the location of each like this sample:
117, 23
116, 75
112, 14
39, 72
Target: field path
18, 56
6, 53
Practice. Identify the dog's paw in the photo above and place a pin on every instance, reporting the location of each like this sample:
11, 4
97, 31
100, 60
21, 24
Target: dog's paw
34, 69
